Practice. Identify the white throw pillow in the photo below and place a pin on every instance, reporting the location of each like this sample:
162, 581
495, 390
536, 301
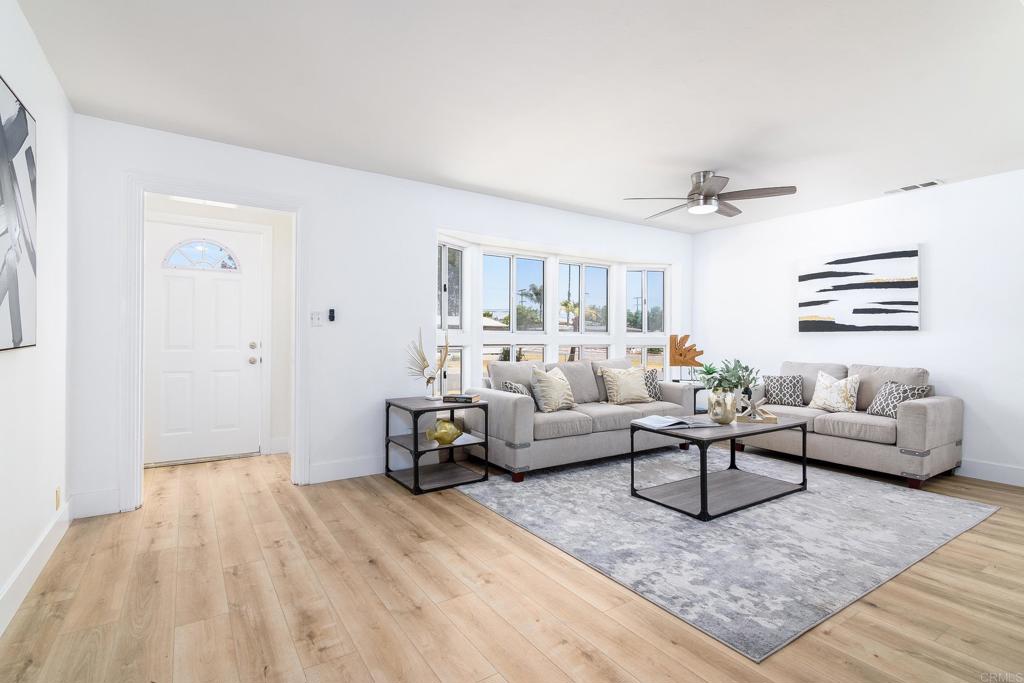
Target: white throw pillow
551, 390
835, 395
626, 385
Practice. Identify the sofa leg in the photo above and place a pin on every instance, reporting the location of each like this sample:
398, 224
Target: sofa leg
914, 483
685, 445
740, 447
518, 477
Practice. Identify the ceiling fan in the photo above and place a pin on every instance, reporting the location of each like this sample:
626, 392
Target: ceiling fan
706, 196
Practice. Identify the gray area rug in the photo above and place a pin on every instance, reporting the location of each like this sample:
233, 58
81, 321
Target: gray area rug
755, 579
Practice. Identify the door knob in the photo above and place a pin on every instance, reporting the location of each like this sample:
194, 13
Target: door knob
252, 360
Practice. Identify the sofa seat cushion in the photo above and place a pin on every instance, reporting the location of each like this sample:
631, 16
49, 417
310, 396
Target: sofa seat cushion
857, 426
560, 423
608, 417
659, 408
797, 413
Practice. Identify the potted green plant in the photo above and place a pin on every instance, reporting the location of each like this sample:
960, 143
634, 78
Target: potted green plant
722, 384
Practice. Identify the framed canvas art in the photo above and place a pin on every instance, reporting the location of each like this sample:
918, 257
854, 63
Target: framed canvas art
17, 223
868, 291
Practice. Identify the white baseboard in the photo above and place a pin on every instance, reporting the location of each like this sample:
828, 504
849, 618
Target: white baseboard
345, 469
92, 503
18, 585
993, 471
279, 444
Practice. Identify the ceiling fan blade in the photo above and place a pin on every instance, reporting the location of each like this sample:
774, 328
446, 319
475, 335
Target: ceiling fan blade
630, 199
714, 185
728, 210
758, 193
674, 208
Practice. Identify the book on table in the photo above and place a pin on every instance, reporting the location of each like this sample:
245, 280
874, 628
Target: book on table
461, 398
672, 422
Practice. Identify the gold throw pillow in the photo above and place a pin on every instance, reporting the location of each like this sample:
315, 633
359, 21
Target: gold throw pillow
835, 395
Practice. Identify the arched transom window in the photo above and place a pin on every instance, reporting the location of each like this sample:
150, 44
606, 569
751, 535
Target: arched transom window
201, 255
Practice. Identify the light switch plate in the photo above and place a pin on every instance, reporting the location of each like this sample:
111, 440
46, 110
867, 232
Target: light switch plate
316, 319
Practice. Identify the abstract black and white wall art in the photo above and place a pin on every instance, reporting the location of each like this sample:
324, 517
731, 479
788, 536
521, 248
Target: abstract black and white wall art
861, 292
17, 223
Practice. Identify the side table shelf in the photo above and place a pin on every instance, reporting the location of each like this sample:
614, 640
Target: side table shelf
446, 473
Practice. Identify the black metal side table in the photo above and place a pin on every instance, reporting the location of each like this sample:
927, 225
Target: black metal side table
446, 473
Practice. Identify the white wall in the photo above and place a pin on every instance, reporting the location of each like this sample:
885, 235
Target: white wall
33, 380
972, 319
366, 247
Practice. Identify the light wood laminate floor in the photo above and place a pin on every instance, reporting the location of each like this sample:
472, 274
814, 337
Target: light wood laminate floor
230, 573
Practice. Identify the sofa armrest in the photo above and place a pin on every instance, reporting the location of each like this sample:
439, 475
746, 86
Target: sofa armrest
926, 423
510, 416
677, 392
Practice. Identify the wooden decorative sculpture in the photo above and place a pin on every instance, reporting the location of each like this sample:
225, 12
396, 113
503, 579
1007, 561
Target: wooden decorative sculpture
682, 354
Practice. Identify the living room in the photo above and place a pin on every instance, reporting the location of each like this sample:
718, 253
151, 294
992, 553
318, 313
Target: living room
459, 180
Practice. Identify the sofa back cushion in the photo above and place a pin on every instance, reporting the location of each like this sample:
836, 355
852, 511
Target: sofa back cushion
809, 371
872, 377
621, 363
508, 371
581, 378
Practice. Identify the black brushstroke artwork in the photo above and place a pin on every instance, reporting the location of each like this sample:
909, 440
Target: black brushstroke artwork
891, 284
832, 326
828, 273
834, 296
910, 253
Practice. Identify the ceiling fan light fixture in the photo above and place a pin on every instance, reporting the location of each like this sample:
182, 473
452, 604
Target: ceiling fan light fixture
700, 206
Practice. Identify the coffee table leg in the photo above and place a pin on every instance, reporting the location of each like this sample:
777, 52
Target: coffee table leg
803, 440
704, 516
732, 454
632, 462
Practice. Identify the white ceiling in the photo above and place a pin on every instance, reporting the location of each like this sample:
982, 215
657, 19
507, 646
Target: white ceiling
571, 103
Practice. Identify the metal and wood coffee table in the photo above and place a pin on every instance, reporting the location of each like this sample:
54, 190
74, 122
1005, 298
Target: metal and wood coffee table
446, 473
713, 494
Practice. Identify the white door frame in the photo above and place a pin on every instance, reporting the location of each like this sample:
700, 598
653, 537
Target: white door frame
266, 307
128, 437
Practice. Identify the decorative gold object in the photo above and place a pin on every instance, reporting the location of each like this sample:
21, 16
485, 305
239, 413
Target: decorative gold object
722, 405
419, 366
444, 432
754, 413
683, 355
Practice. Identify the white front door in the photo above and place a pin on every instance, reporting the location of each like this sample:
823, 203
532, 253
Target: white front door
202, 351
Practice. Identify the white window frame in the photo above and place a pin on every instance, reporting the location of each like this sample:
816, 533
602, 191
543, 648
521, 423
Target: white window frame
644, 348
513, 323
442, 381
512, 350
644, 308
607, 299
443, 324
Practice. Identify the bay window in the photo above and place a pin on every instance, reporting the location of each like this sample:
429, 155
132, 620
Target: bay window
645, 301
513, 284
595, 299
450, 378
449, 287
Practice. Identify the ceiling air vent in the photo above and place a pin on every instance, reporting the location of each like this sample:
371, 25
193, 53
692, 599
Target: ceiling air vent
910, 188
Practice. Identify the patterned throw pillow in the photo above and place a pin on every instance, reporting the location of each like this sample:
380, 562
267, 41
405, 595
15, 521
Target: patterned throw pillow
626, 385
653, 385
891, 395
515, 388
551, 390
835, 395
785, 390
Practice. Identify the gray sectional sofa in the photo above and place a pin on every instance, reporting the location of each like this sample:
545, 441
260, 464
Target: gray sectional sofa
925, 438
523, 439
